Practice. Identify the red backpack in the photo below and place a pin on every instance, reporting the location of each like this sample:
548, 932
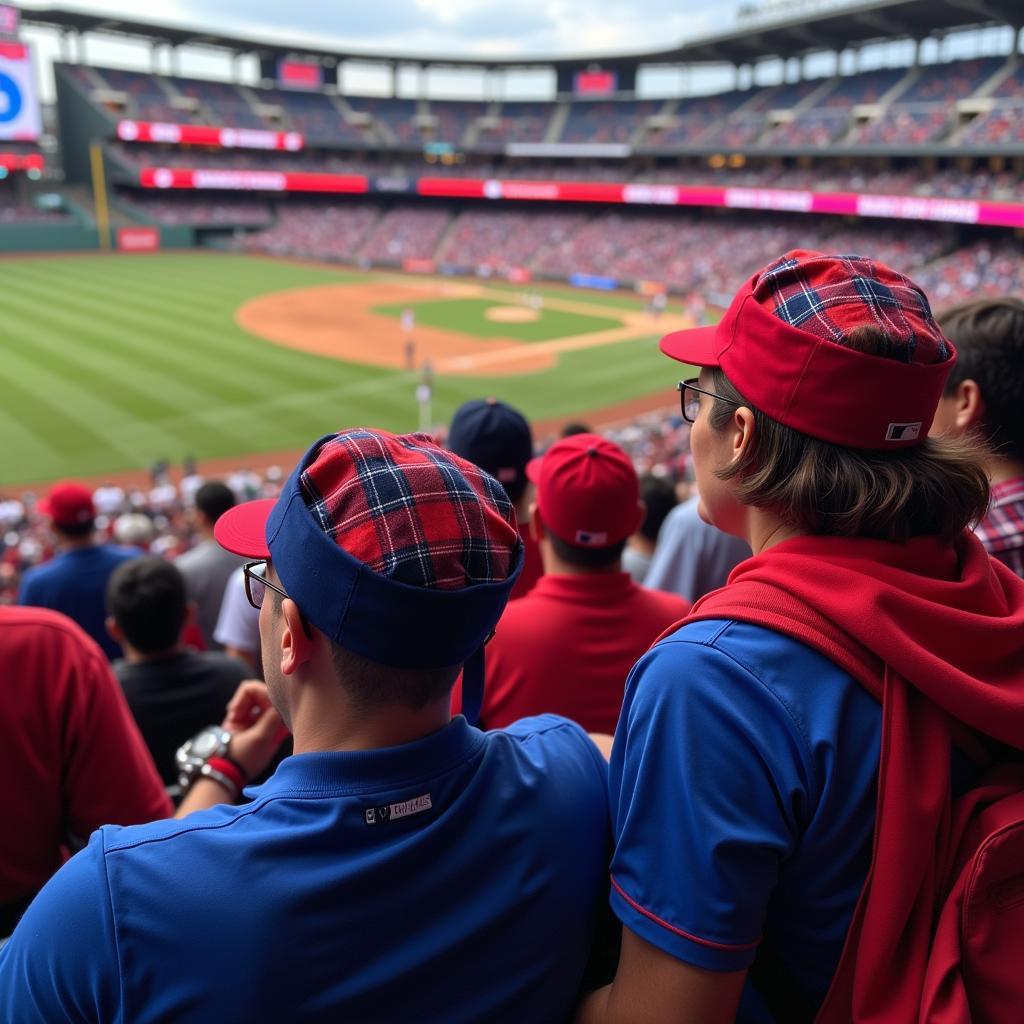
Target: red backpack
937, 936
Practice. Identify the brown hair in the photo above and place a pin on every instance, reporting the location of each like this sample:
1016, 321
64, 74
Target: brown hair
989, 338
938, 487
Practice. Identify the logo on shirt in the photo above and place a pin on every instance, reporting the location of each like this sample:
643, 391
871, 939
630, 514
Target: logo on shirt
384, 813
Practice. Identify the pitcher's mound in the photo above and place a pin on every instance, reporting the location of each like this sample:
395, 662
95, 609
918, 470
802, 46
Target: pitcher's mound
511, 314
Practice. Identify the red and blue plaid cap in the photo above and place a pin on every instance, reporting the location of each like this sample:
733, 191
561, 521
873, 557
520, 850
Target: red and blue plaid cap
832, 296
391, 546
411, 511
784, 344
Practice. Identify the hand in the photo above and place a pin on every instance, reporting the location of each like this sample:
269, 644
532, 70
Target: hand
256, 727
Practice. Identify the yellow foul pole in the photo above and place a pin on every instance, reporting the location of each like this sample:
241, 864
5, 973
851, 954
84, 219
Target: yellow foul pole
99, 195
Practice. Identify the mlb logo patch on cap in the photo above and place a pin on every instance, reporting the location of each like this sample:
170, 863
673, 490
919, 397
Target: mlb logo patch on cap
904, 431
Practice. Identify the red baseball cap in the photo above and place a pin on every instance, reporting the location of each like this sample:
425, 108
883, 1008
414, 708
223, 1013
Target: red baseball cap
587, 491
68, 504
783, 343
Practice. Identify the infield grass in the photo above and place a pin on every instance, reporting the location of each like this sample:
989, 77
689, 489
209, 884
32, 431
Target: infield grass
109, 363
470, 317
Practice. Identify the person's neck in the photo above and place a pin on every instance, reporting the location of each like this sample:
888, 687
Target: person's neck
136, 657
65, 543
555, 566
765, 530
390, 726
1001, 470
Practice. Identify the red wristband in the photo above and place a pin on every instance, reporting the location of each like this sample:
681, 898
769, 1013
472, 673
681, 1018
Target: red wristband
230, 768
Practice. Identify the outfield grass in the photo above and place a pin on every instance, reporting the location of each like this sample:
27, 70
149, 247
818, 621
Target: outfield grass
109, 363
470, 317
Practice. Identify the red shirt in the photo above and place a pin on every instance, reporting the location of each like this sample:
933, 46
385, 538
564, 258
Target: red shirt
568, 646
533, 567
71, 756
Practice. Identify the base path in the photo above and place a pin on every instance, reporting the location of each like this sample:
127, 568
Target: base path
339, 321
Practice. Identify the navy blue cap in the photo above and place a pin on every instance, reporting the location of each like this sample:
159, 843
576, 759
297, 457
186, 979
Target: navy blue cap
495, 437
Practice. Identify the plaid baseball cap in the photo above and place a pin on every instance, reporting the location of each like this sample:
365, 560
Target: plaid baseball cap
493, 436
68, 504
392, 547
587, 491
784, 344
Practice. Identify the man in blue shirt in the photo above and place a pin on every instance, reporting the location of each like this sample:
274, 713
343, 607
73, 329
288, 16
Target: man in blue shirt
399, 866
74, 582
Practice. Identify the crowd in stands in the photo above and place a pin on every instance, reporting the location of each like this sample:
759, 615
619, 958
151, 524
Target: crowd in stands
710, 252
199, 212
815, 112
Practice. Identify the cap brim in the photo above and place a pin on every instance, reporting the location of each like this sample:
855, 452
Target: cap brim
242, 530
695, 346
533, 469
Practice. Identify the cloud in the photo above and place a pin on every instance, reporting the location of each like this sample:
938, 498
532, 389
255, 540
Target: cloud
527, 27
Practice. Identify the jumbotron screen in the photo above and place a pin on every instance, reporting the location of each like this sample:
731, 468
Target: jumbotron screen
19, 105
595, 83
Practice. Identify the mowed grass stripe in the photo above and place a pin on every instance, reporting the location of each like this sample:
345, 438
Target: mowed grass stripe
124, 372
221, 347
141, 339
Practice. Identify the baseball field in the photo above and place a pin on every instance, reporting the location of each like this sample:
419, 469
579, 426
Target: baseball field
110, 363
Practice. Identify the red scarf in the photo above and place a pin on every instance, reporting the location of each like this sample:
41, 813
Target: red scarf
936, 633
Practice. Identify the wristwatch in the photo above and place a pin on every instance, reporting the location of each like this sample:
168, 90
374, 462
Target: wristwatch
192, 755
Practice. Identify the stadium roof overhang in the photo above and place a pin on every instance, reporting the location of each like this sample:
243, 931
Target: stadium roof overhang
830, 29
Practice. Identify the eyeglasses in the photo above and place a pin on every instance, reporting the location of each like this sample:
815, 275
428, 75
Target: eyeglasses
256, 584
689, 402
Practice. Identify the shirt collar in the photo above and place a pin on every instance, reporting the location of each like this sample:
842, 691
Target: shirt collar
357, 771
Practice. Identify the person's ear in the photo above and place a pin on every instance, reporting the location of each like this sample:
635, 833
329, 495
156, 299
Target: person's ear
969, 405
741, 431
297, 645
114, 631
537, 531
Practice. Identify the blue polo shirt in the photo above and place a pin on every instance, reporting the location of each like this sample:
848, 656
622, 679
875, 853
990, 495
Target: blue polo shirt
742, 786
457, 878
75, 583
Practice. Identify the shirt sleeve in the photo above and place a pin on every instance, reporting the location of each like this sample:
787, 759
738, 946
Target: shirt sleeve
60, 964
707, 780
238, 624
109, 775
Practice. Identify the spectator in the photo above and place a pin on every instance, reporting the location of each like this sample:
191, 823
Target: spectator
745, 768
172, 691
74, 581
401, 863
985, 393
498, 439
693, 557
568, 646
207, 567
72, 755
238, 625
659, 498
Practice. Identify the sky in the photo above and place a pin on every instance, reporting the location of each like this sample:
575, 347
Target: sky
441, 27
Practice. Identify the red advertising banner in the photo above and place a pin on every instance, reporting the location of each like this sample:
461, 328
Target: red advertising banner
22, 161
251, 181
206, 135
138, 239
850, 204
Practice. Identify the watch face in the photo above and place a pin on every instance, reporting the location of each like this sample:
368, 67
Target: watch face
205, 745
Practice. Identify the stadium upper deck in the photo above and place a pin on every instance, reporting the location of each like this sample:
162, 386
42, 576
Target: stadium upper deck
959, 105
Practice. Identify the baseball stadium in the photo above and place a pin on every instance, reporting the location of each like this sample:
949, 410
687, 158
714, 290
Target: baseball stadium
498, 525
217, 270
